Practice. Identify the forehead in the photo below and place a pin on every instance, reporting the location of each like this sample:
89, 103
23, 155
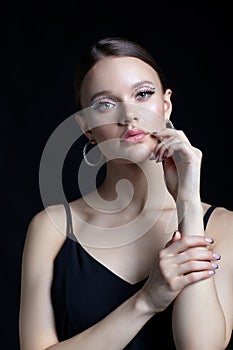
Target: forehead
117, 73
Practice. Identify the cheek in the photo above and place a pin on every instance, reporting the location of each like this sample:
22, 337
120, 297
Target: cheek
108, 140
157, 106
153, 116
105, 132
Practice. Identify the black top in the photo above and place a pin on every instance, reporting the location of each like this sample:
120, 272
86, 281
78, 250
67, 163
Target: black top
84, 291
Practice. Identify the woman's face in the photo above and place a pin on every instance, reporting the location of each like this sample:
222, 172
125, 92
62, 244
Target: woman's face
124, 101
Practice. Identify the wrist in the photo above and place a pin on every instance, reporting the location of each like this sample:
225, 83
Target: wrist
194, 206
191, 200
190, 217
142, 304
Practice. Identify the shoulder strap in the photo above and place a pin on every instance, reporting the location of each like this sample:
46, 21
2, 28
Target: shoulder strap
69, 226
207, 214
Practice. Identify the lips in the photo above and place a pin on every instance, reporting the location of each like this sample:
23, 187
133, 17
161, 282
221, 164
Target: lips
134, 135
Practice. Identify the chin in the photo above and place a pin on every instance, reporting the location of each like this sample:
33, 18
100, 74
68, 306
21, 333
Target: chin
130, 157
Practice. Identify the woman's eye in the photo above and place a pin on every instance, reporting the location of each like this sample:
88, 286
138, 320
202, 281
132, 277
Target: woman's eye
103, 106
142, 95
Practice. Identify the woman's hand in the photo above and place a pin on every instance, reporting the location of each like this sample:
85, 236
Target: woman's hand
182, 262
181, 162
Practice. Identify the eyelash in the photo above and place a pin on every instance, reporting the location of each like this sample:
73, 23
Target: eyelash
104, 100
101, 103
147, 89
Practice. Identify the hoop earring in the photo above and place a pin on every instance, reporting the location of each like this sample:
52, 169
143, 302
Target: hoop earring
85, 156
169, 124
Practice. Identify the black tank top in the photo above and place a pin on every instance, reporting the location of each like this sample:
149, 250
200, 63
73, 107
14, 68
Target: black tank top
84, 291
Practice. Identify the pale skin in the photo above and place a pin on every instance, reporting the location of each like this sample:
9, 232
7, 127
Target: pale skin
186, 266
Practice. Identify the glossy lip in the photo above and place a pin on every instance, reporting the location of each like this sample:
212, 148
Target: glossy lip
134, 135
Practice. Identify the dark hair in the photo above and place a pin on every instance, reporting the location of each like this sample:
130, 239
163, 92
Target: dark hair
113, 47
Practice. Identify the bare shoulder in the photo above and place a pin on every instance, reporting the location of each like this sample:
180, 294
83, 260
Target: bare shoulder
47, 231
221, 217
223, 223
45, 235
220, 226
224, 216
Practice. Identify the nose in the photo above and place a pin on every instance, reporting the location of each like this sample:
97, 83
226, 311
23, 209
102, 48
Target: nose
129, 118
128, 114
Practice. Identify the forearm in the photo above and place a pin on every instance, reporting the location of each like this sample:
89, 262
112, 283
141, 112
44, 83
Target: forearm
190, 216
114, 331
198, 318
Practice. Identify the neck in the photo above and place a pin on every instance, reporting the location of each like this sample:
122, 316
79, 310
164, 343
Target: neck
135, 185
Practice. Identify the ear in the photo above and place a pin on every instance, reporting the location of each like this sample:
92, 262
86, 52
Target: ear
167, 103
80, 119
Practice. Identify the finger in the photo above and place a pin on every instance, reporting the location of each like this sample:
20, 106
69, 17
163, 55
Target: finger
169, 163
187, 242
194, 266
172, 147
195, 254
167, 132
175, 237
193, 277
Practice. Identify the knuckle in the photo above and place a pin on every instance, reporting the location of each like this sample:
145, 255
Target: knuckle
180, 132
162, 267
191, 254
172, 284
192, 277
162, 254
192, 265
185, 241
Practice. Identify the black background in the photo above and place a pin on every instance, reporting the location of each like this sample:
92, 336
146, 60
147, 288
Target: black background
40, 45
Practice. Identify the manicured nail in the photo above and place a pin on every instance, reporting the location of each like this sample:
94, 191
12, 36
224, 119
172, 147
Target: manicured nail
211, 272
209, 239
217, 256
174, 234
215, 266
152, 156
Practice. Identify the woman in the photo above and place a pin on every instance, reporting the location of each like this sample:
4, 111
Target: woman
138, 266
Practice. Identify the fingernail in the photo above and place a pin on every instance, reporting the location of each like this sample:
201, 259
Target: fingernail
152, 156
215, 266
174, 234
217, 256
155, 132
209, 239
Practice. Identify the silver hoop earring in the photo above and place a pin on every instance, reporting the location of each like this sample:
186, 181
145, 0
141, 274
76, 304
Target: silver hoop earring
169, 124
85, 156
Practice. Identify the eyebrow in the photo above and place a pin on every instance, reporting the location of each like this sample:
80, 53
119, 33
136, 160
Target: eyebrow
109, 93
142, 82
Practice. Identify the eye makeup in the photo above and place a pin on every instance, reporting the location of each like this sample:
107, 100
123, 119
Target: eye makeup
137, 90
146, 88
103, 99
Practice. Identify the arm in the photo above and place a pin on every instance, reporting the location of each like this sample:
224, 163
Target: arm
220, 225
36, 321
198, 319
